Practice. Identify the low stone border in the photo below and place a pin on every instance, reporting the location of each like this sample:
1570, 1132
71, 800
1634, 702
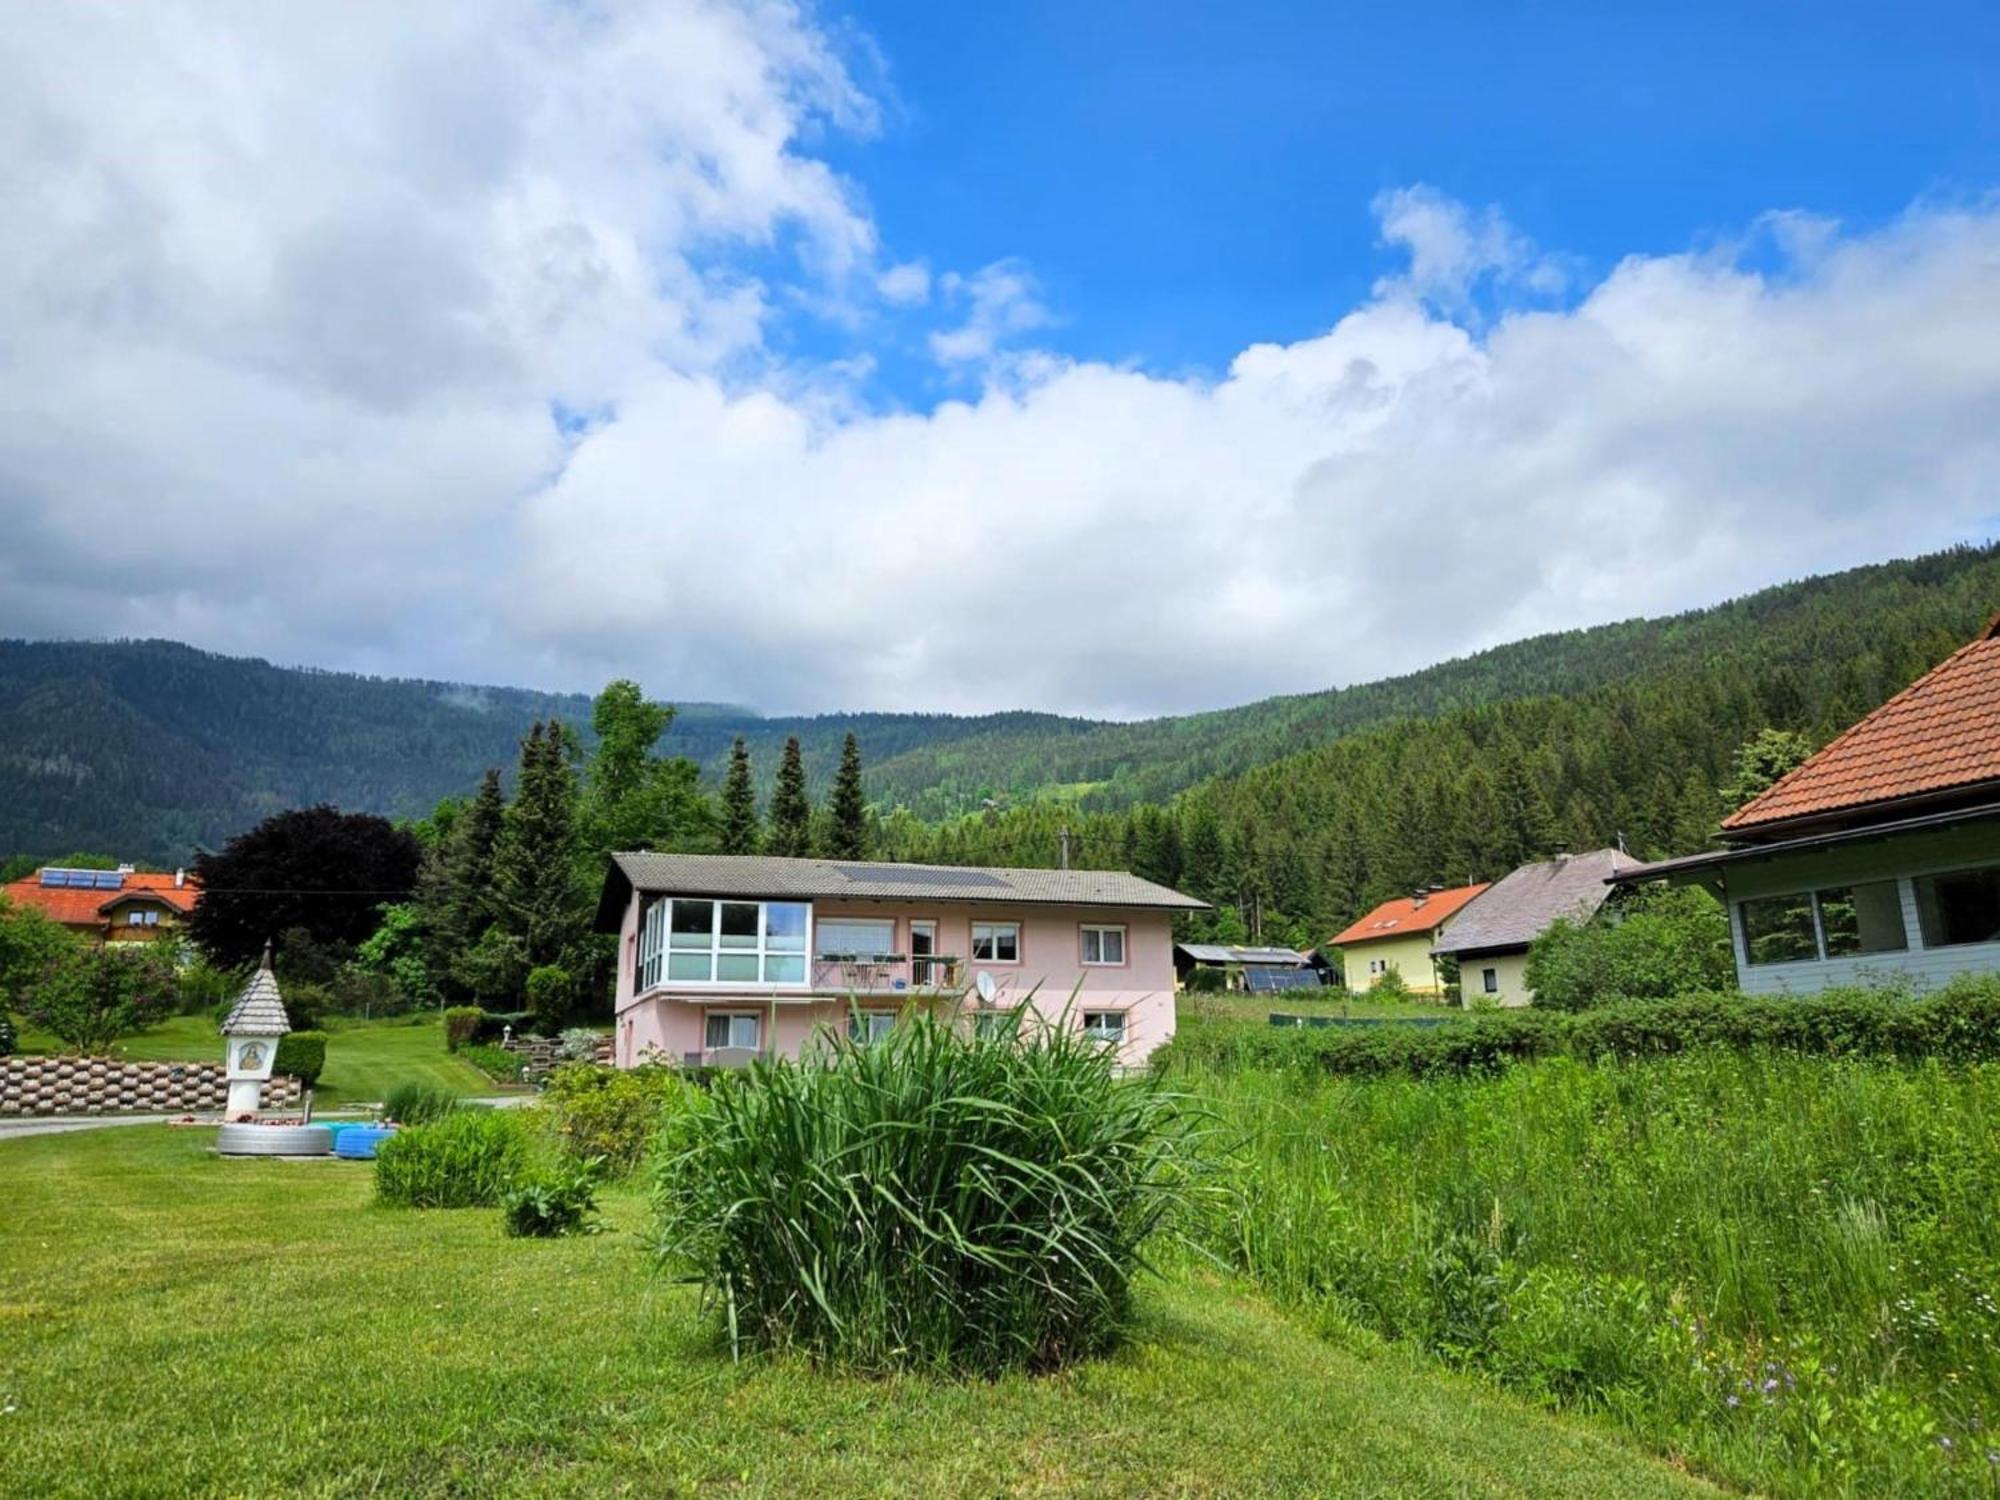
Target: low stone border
109, 1085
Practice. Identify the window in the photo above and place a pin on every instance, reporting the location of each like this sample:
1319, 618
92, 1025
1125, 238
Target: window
1779, 929
699, 941
1106, 1026
996, 942
1378, 966
1489, 981
923, 939
1856, 919
1103, 945
870, 1025
142, 919
734, 1029
1962, 907
1841, 921
858, 937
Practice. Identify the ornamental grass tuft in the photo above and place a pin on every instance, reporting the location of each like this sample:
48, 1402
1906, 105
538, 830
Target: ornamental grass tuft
927, 1201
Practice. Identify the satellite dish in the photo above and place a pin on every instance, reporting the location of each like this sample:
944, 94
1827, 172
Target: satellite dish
983, 982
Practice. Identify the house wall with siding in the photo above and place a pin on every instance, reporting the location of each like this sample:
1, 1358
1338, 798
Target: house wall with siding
1901, 859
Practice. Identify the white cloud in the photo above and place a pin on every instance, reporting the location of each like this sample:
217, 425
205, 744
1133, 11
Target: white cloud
1001, 302
291, 299
906, 284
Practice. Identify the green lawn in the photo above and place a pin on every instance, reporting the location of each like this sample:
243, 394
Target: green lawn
364, 1059
174, 1324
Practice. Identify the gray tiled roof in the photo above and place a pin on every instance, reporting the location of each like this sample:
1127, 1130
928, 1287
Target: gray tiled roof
1515, 910
772, 878
260, 1011
1234, 953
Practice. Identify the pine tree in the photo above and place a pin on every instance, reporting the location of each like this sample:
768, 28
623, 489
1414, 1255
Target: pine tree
535, 863
739, 803
848, 838
791, 813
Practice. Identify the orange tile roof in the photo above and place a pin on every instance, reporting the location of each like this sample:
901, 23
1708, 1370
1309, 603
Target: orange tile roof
1403, 917
80, 908
1940, 733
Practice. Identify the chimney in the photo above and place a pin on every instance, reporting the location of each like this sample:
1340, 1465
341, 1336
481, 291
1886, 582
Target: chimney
126, 870
1562, 854
1419, 896
180, 879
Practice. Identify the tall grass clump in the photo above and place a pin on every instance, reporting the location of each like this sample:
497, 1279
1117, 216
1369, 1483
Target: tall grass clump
419, 1103
928, 1201
470, 1158
1783, 1267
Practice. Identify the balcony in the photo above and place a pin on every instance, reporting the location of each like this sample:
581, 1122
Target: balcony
887, 974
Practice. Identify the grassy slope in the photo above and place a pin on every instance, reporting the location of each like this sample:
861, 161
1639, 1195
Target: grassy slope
163, 1311
364, 1059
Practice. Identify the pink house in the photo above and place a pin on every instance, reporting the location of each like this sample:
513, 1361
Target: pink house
723, 958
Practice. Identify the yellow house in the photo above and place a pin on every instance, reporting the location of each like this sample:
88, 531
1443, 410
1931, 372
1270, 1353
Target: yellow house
1396, 938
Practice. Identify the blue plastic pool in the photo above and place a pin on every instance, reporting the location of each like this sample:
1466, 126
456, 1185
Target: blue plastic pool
358, 1142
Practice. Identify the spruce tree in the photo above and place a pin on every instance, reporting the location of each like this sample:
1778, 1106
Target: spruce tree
469, 894
848, 837
739, 804
791, 813
535, 862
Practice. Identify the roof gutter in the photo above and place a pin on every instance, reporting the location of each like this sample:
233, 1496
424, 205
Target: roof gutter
1691, 865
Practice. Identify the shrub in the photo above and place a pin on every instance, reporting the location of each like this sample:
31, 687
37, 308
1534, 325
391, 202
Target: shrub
90, 996
494, 1024
470, 1158
1654, 945
579, 1044
1390, 985
497, 1063
419, 1103
302, 1055
7, 1038
925, 1201
552, 1201
461, 1025
1961, 1022
1209, 979
610, 1115
550, 990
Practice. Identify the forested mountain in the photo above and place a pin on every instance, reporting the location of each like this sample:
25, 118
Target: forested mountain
148, 749
1315, 804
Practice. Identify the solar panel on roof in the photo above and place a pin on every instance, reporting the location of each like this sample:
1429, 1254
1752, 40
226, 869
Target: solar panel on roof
109, 880
883, 875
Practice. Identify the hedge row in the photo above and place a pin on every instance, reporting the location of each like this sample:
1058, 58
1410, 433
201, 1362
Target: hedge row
1959, 1023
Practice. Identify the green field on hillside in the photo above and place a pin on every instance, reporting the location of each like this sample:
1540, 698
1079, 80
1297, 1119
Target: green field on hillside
176, 1324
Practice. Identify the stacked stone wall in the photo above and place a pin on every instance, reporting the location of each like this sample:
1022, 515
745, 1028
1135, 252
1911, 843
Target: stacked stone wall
109, 1085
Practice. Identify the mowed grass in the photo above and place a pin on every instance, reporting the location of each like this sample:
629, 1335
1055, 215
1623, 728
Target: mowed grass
364, 1059
175, 1324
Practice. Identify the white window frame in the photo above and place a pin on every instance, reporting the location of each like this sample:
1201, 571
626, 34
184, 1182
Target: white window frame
755, 1018
656, 946
1097, 1032
992, 930
1100, 930
870, 1026
864, 954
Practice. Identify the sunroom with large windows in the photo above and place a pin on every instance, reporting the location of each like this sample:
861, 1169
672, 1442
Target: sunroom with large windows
695, 940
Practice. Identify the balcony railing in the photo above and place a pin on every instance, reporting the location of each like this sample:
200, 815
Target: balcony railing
887, 973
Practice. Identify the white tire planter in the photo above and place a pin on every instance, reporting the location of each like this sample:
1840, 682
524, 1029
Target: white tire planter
274, 1140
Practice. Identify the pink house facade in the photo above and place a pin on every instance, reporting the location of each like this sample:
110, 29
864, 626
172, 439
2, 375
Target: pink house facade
727, 958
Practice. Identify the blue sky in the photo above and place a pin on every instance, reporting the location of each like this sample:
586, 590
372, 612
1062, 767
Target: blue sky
1104, 358
1187, 178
